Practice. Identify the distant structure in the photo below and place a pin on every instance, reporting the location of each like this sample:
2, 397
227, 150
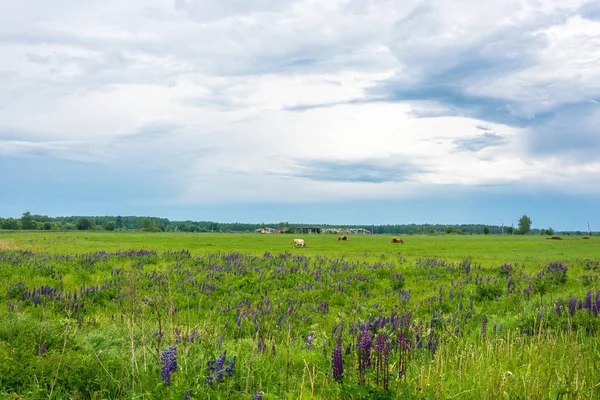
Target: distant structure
356, 231
308, 230
265, 230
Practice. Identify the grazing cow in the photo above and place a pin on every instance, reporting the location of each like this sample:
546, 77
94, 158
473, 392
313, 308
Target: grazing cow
344, 237
397, 240
299, 243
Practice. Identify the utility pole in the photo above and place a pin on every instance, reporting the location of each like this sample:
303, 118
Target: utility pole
503, 228
589, 230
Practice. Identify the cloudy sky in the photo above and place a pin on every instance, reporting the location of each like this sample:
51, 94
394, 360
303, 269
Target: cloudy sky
335, 111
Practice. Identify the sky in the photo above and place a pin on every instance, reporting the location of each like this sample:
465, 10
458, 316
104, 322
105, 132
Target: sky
308, 111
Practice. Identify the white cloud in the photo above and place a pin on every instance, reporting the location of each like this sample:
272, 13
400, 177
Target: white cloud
235, 100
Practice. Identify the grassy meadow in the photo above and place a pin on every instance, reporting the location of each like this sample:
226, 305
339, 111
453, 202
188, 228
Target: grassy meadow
99, 315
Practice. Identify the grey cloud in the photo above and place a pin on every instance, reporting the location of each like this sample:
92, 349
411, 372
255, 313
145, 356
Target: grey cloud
371, 171
573, 132
591, 10
480, 142
449, 61
312, 106
156, 129
38, 59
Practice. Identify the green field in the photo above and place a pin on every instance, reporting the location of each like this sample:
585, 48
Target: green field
482, 248
441, 316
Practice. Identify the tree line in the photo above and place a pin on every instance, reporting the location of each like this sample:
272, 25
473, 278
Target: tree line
30, 221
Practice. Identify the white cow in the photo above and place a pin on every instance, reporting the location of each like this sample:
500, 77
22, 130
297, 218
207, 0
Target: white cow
299, 243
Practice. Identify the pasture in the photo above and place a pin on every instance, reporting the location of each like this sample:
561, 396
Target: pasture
240, 316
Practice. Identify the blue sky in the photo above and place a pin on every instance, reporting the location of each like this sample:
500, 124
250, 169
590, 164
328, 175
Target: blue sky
341, 112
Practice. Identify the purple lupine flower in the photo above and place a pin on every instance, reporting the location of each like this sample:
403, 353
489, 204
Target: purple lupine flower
308, 341
168, 359
229, 369
557, 308
382, 347
433, 341
337, 363
258, 396
572, 306
484, 326
261, 345
42, 349
210, 365
588, 301
404, 296
596, 304
186, 395
364, 344
363, 349
402, 341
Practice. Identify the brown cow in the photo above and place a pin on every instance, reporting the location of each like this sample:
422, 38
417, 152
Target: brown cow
344, 237
397, 240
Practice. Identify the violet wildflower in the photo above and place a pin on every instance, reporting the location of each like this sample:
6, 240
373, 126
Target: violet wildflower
337, 363
484, 327
433, 341
258, 396
168, 359
572, 306
186, 395
557, 308
229, 369
382, 348
42, 349
308, 341
363, 348
588, 301
596, 304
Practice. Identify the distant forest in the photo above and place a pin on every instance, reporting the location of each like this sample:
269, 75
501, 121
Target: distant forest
30, 221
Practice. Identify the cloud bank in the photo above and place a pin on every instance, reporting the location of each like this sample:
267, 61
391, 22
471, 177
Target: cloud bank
303, 100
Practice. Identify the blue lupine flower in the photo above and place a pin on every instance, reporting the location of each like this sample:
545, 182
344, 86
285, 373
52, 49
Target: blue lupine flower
229, 369
258, 396
337, 363
484, 326
168, 359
